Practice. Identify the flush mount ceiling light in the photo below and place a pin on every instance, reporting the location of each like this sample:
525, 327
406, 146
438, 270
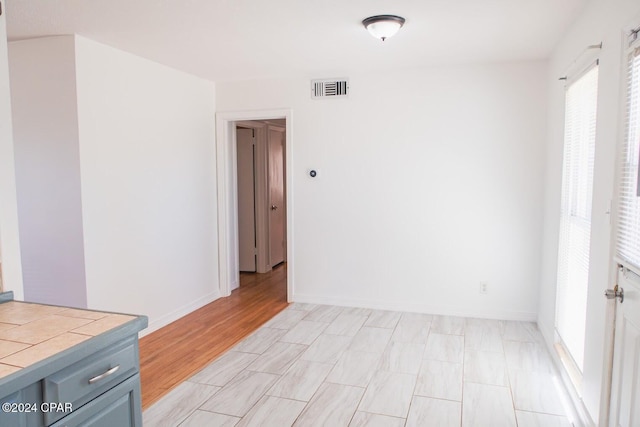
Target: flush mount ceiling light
383, 26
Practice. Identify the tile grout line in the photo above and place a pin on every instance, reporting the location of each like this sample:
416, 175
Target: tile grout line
513, 400
190, 413
464, 342
365, 388
325, 382
413, 395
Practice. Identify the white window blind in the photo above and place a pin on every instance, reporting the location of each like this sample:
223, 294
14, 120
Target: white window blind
575, 212
628, 229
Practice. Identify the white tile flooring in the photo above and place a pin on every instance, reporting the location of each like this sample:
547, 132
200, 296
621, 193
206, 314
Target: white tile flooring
314, 365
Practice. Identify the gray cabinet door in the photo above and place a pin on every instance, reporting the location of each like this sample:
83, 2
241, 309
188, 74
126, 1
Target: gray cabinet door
26, 416
120, 407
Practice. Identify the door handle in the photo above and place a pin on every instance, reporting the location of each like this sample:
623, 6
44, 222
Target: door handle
274, 208
616, 292
104, 375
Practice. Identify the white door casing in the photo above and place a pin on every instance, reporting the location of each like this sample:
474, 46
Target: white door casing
226, 176
246, 200
625, 387
277, 203
10, 239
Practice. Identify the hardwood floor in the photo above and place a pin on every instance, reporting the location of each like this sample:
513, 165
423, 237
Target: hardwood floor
174, 353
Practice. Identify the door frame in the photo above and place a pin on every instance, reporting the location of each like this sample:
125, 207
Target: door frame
227, 194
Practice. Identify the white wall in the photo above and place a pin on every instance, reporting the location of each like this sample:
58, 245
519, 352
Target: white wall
602, 20
9, 236
429, 181
45, 129
147, 158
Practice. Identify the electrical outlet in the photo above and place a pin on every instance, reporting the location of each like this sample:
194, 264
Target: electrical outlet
484, 287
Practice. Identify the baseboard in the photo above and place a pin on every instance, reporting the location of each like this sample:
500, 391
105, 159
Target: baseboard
156, 324
416, 308
581, 415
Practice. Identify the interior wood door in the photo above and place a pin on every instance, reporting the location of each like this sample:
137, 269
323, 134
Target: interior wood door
277, 216
625, 387
246, 199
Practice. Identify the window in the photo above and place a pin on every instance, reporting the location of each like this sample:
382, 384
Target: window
575, 212
628, 227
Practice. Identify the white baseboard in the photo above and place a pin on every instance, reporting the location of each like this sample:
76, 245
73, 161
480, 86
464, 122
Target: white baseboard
415, 307
156, 324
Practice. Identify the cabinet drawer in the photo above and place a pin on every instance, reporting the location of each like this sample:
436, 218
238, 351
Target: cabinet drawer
119, 407
83, 381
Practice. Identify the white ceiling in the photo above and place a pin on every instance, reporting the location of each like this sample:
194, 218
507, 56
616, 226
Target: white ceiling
242, 39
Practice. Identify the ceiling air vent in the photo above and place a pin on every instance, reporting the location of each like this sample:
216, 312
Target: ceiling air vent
329, 88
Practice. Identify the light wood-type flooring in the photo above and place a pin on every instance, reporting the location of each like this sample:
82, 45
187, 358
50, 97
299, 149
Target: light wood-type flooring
174, 353
338, 366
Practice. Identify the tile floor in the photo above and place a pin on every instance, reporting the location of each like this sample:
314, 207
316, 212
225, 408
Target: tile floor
315, 365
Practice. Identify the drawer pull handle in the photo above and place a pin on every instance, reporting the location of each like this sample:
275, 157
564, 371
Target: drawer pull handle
104, 375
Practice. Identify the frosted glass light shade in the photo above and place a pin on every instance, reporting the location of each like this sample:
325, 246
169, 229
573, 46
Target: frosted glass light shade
383, 26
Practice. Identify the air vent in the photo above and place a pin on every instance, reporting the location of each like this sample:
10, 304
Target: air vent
329, 88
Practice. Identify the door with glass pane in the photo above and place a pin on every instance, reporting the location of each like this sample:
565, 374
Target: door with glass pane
575, 214
625, 384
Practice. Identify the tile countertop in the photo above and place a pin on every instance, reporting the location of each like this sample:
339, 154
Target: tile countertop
30, 333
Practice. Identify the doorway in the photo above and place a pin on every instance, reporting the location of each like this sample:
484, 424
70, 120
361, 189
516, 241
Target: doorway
271, 124
260, 161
